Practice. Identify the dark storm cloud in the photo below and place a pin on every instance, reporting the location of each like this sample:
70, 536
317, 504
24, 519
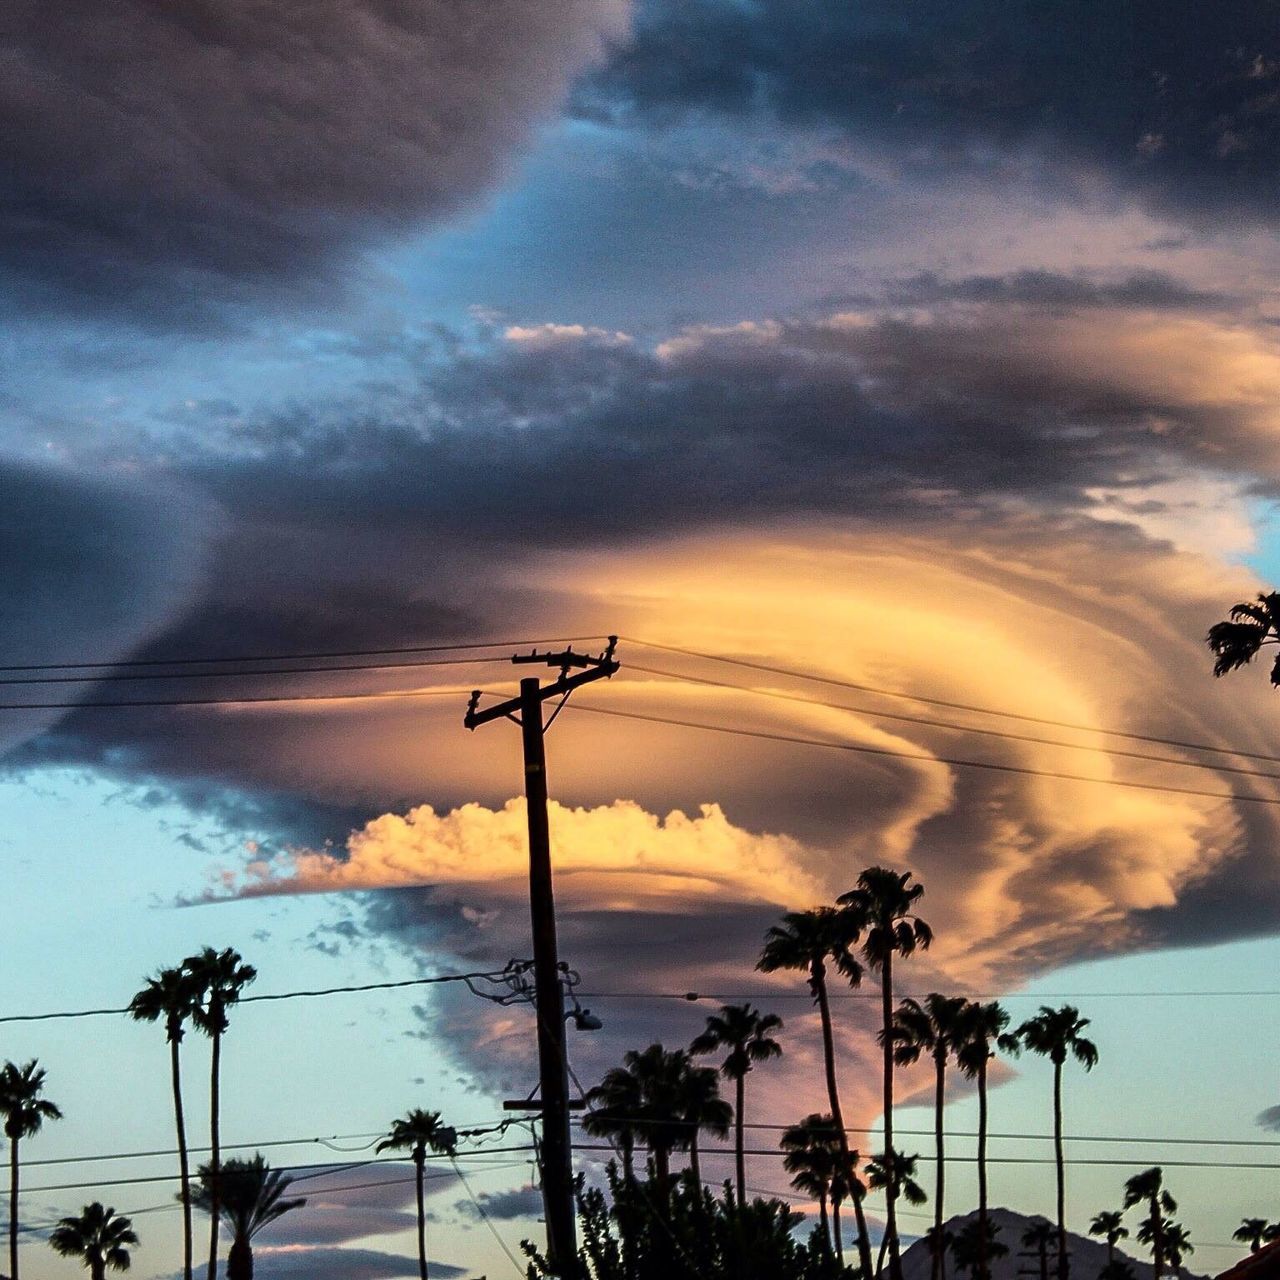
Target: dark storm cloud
342, 1264
1178, 101
520, 1202
155, 153
1154, 290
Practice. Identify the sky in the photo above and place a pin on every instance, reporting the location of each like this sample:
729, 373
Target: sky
925, 348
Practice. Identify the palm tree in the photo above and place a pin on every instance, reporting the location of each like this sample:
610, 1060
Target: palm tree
812, 1157
172, 995
417, 1132
976, 1246
1238, 641
613, 1113
24, 1112
807, 941
1251, 1231
1055, 1033
982, 1028
937, 1028
219, 977
1110, 1225
250, 1195
1176, 1243
882, 904
1148, 1188
700, 1108
1039, 1236
660, 1079
98, 1237
895, 1174
744, 1032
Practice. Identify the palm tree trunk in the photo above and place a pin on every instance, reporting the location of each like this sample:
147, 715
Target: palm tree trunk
1157, 1238
13, 1208
1057, 1155
1044, 1260
662, 1170
818, 979
824, 1221
97, 1269
739, 1139
1111, 1251
982, 1171
240, 1261
836, 1230
419, 1160
891, 1189
184, 1168
938, 1094
215, 1156
695, 1163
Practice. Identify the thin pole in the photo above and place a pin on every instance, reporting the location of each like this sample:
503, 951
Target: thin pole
557, 1166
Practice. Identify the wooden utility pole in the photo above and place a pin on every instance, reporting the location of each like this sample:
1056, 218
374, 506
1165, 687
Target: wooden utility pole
553, 1063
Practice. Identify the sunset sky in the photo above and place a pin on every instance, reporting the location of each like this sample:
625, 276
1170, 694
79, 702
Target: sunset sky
929, 348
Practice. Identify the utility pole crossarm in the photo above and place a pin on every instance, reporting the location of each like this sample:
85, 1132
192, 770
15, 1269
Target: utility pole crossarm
599, 668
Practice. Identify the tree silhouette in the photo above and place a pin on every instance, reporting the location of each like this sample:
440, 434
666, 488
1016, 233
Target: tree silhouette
744, 1032
806, 942
1172, 1235
660, 1076
882, 905
219, 977
1148, 1188
977, 1245
250, 1196
812, 1157
1236, 642
1055, 1033
982, 1028
1039, 1236
1109, 1224
24, 1112
1251, 1231
613, 1113
935, 1027
172, 996
99, 1237
418, 1132
701, 1107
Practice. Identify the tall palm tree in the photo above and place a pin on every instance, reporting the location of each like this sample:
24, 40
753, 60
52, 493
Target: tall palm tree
99, 1237
807, 941
811, 1154
24, 1112
977, 1245
981, 1031
744, 1032
250, 1196
882, 904
701, 1108
659, 1076
935, 1027
172, 996
219, 977
1148, 1188
1055, 1033
1251, 1231
895, 1174
418, 1132
613, 1113
1239, 640
1039, 1236
1109, 1224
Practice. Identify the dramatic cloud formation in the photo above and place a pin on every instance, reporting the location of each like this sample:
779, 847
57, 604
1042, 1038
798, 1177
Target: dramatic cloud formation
318, 1263
250, 141
1174, 101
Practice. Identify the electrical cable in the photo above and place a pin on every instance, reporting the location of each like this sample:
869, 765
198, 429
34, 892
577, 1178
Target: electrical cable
484, 1217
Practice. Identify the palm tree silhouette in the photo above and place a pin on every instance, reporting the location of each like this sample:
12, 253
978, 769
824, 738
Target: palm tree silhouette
613, 1113
1238, 641
172, 996
419, 1132
976, 1246
700, 1108
1109, 1224
936, 1028
744, 1032
812, 1157
982, 1028
99, 1237
895, 1174
806, 941
1039, 1236
1251, 1231
219, 977
250, 1196
1148, 1188
24, 1112
1176, 1243
882, 905
1055, 1033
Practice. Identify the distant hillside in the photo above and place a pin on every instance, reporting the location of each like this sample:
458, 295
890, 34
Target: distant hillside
1088, 1256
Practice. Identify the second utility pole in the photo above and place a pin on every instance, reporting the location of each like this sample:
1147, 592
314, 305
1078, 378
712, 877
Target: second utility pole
553, 1062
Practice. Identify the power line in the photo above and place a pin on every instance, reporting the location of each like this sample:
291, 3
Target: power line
942, 702
484, 1217
692, 997
96, 703
959, 728
292, 657
925, 756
